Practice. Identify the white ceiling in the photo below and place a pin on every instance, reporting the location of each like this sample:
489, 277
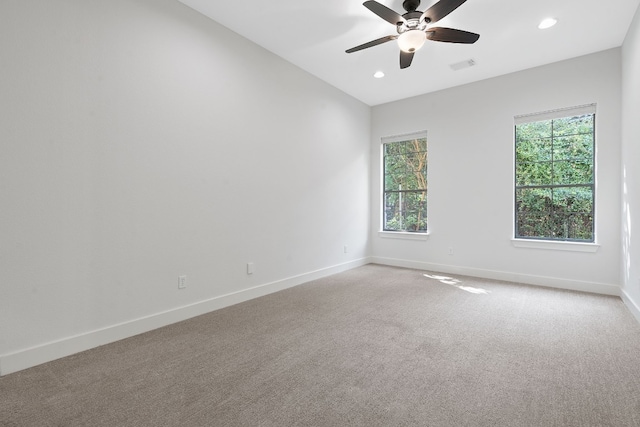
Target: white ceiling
315, 34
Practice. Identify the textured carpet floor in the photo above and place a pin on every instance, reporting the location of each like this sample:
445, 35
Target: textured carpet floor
374, 346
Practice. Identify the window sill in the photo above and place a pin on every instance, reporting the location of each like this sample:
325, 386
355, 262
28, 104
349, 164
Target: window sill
403, 235
556, 246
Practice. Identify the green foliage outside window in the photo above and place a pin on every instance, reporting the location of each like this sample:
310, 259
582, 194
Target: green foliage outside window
554, 179
405, 185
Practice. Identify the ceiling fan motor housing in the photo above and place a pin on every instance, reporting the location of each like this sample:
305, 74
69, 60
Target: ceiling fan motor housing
412, 22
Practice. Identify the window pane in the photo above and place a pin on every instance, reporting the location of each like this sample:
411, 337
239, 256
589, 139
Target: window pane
406, 171
395, 172
576, 147
573, 199
405, 185
580, 226
531, 131
391, 149
567, 172
391, 212
573, 125
405, 211
572, 226
554, 176
415, 201
533, 212
536, 224
534, 150
534, 200
528, 173
419, 144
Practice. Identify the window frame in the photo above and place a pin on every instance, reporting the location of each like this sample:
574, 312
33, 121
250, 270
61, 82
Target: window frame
581, 245
401, 234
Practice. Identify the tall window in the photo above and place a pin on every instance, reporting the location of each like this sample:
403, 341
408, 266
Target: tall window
405, 183
555, 174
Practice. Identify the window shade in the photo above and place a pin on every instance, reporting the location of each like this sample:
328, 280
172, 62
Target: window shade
404, 137
555, 114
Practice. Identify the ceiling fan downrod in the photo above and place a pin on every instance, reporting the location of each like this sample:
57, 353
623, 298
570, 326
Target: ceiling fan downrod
410, 5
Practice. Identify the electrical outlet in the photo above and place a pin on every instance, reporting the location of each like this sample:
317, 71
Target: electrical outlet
182, 282
346, 249
250, 268
450, 251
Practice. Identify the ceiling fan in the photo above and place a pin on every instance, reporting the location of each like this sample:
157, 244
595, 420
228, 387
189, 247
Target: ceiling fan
413, 27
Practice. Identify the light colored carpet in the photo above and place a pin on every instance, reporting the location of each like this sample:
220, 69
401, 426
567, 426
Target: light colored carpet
374, 346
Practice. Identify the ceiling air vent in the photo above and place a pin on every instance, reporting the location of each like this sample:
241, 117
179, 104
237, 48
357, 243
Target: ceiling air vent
463, 64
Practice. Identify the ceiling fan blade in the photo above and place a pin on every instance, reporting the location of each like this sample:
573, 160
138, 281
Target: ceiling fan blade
405, 59
441, 9
384, 12
451, 35
372, 43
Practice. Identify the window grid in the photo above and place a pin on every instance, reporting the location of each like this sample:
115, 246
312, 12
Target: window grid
405, 185
552, 216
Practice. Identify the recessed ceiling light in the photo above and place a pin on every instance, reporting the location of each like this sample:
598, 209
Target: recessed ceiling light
547, 23
378, 74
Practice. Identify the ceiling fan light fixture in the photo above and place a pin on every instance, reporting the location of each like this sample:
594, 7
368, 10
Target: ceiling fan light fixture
411, 40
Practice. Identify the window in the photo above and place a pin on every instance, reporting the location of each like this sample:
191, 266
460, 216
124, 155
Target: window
554, 175
405, 183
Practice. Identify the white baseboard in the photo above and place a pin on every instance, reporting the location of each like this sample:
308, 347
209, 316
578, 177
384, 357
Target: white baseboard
30, 357
632, 305
34, 356
550, 282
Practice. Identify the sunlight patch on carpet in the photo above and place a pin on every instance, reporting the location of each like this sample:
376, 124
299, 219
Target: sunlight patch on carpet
457, 284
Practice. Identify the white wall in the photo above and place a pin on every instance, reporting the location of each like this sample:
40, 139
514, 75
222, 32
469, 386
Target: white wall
470, 199
140, 141
630, 162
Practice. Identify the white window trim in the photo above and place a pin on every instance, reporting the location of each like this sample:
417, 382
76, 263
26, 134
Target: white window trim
560, 245
405, 235
556, 245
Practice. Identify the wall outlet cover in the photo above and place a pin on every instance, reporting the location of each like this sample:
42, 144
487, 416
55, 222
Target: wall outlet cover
182, 282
